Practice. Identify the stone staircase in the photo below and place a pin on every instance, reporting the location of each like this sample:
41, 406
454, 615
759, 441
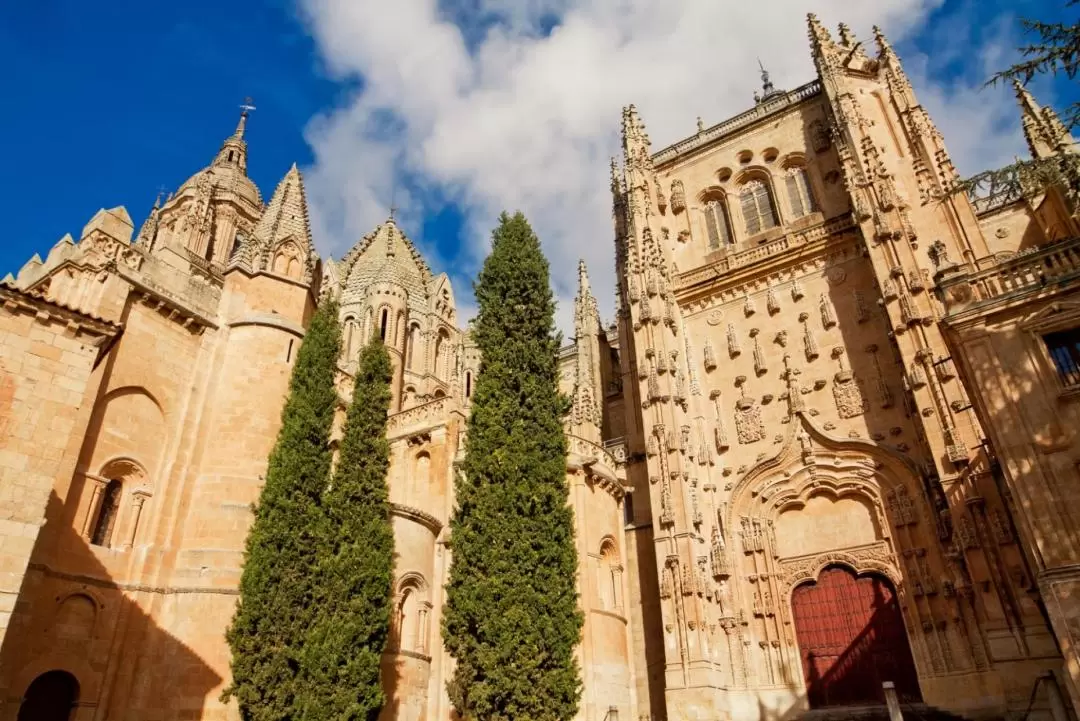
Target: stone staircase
911, 711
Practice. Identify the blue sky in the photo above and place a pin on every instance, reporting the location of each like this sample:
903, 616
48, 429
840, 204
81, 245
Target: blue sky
105, 103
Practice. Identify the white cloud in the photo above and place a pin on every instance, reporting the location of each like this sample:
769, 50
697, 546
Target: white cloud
472, 101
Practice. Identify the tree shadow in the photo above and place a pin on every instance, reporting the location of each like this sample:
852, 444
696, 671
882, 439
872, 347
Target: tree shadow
72, 615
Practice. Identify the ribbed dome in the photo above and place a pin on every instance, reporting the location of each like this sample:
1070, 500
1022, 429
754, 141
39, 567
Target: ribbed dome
385, 255
226, 179
228, 173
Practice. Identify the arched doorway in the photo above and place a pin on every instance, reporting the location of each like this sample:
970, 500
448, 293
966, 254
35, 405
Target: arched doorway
50, 697
851, 638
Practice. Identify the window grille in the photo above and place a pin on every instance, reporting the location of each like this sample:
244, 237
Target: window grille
1064, 347
757, 207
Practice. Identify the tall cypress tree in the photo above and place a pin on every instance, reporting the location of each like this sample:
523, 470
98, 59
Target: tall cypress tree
512, 620
277, 585
341, 660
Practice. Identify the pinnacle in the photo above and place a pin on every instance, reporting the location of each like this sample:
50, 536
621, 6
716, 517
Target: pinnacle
583, 278
287, 213
881, 41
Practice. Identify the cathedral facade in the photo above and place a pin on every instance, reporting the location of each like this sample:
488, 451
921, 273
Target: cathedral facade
826, 446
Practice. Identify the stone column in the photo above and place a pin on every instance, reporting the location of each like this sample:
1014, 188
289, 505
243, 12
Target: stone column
98, 486
138, 500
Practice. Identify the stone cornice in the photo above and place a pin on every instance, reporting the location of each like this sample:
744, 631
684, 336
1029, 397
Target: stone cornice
721, 130
30, 301
795, 254
138, 587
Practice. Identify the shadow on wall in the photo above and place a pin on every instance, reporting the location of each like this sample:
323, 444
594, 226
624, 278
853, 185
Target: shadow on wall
80, 646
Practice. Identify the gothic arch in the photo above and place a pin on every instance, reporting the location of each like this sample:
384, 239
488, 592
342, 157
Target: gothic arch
287, 260
810, 570
856, 459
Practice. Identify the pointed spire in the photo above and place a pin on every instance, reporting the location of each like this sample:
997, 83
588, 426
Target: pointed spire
768, 90
287, 214
233, 151
587, 377
884, 47
241, 126
1043, 129
583, 280
819, 34
636, 149
847, 38
148, 231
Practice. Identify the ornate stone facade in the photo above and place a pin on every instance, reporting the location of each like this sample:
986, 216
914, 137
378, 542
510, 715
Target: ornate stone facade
824, 356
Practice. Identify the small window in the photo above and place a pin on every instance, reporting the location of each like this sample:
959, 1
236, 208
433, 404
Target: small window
382, 323
468, 384
799, 195
1064, 347
757, 207
107, 513
628, 509
716, 223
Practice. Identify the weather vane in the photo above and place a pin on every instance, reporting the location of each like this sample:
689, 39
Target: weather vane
247, 106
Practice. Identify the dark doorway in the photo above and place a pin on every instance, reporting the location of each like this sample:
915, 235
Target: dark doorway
851, 637
51, 697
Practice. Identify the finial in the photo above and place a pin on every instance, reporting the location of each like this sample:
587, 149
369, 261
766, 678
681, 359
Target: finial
700, 125
157, 201
846, 37
393, 207
882, 42
766, 84
245, 108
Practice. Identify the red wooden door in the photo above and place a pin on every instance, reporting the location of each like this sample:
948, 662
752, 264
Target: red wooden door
851, 637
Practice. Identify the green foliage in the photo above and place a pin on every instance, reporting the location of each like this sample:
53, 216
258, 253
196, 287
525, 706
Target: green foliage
511, 619
1054, 48
277, 586
352, 622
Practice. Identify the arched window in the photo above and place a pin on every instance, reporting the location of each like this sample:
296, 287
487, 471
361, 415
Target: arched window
757, 206
468, 384
716, 224
410, 622
609, 578
383, 320
411, 352
107, 513
350, 337
798, 190
369, 326
442, 355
